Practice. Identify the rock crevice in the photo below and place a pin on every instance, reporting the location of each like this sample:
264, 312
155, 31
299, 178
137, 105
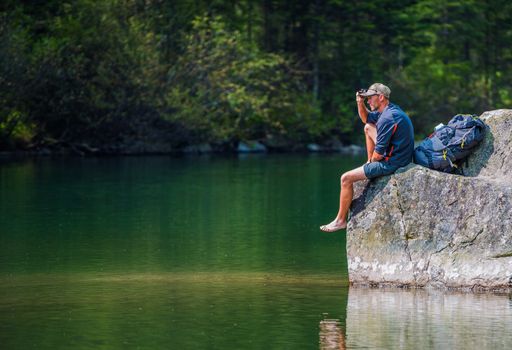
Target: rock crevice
423, 228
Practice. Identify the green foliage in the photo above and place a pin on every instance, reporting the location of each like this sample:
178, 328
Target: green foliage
98, 71
458, 70
86, 76
15, 131
229, 89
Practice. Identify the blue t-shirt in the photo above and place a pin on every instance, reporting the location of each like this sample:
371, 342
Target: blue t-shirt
395, 135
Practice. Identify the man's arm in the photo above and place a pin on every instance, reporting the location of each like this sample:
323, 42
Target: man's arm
376, 157
385, 131
361, 108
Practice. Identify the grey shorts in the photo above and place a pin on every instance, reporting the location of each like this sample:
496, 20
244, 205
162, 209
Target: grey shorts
376, 169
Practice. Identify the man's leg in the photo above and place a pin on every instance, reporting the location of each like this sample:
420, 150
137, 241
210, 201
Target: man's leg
370, 133
346, 193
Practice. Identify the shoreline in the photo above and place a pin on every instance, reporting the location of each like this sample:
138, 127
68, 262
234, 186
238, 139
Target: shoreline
204, 149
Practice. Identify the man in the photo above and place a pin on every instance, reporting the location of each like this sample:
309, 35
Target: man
389, 145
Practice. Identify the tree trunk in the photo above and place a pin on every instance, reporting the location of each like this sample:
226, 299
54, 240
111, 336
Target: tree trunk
316, 48
267, 25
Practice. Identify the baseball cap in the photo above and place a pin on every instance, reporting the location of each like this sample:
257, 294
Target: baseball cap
377, 89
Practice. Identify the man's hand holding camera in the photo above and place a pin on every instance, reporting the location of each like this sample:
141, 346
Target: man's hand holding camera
359, 98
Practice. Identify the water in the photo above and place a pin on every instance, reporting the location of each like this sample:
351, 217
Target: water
203, 253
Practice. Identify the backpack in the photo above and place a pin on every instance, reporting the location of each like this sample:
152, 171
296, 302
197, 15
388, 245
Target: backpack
450, 144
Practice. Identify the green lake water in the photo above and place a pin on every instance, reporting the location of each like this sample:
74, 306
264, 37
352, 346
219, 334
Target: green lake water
203, 253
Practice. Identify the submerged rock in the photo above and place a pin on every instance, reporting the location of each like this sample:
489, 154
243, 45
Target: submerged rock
314, 147
423, 228
251, 147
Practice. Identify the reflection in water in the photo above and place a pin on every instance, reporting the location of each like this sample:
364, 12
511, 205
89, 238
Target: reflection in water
202, 253
419, 319
331, 335
165, 310
169, 253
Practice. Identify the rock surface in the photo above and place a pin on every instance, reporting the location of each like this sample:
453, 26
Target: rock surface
423, 228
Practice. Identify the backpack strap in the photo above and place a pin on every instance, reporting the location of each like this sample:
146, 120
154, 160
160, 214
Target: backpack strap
445, 157
430, 161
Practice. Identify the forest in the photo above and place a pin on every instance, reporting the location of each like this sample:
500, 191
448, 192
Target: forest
101, 74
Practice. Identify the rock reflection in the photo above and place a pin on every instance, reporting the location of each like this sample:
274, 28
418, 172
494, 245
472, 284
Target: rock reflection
331, 335
419, 319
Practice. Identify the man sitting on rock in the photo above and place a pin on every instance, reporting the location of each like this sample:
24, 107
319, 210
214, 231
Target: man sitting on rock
389, 144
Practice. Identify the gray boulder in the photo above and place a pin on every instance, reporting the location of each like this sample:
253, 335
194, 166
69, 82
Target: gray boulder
492, 159
423, 228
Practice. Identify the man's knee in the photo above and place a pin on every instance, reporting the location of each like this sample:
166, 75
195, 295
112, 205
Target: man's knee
346, 179
369, 129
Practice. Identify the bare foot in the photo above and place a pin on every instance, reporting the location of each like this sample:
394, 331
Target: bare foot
336, 225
